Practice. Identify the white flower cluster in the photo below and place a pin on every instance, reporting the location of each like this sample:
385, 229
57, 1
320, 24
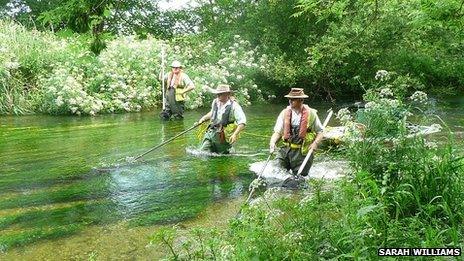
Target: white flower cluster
419, 97
64, 92
124, 76
293, 238
382, 75
344, 115
386, 93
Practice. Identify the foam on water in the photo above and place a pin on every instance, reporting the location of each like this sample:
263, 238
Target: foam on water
329, 169
200, 153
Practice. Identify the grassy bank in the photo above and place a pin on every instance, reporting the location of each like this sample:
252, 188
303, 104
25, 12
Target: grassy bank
404, 191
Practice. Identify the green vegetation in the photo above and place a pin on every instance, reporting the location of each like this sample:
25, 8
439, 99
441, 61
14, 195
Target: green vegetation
90, 64
83, 57
404, 191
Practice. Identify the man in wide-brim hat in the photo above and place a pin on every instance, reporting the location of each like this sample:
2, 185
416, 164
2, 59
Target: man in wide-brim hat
300, 129
227, 119
177, 85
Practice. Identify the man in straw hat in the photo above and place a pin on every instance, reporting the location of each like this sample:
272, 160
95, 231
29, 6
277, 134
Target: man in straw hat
227, 119
178, 84
299, 127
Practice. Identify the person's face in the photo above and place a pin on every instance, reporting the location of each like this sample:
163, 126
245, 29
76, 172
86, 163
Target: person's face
175, 70
296, 103
223, 97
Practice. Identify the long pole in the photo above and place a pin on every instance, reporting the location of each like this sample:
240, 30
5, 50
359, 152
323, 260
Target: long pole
169, 140
259, 177
162, 76
311, 150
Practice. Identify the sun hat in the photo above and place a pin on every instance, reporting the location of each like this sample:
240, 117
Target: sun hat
176, 64
296, 93
222, 88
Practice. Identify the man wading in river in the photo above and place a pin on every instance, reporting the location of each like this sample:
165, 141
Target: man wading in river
227, 120
300, 129
178, 84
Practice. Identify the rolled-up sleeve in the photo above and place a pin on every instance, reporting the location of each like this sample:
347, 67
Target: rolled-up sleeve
279, 126
239, 115
317, 126
186, 80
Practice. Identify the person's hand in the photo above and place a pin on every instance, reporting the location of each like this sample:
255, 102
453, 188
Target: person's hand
200, 121
233, 138
272, 147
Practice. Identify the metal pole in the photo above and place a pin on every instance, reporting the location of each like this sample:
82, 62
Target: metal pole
311, 150
162, 76
259, 177
164, 143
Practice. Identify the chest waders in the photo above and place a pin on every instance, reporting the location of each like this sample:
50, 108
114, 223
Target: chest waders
215, 139
292, 154
174, 98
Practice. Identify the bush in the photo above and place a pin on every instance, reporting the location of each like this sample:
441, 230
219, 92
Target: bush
68, 79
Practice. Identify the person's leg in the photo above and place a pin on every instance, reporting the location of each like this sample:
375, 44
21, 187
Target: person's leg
207, 143
219, 144
170, 103
296, 160
180, 110
222, 148
282, 158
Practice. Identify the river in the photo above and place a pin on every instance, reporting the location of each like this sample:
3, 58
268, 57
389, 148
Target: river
66, 191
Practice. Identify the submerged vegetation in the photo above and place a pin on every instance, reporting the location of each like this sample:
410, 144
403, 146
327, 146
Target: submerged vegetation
84, 57
403, 191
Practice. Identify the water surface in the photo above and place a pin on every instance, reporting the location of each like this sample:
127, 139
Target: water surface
67, 192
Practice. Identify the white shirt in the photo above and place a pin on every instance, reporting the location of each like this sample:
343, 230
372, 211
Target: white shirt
296, 117
236, 112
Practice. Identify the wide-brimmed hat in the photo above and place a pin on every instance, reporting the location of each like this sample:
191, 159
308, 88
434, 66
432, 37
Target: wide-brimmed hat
176, 64
222, 88
296, 93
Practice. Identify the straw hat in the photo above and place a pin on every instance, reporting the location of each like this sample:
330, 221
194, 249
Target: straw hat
176, 64
296, 93
222, 88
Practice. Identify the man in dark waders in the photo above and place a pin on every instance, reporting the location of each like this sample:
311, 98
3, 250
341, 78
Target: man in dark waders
227, 119
300, 129
177, 85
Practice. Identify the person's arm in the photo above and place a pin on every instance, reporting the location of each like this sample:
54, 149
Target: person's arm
205, 117
274, 139
316, 141
240, 119
233, 137
317, 126
278, 131
188, 83
189, 88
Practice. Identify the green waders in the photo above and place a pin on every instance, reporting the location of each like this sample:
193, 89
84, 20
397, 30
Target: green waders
174, 108
292, 159
212, 142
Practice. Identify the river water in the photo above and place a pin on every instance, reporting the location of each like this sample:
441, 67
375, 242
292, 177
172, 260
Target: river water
66, 191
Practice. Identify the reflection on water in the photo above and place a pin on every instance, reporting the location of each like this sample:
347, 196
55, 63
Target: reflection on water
68, 180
